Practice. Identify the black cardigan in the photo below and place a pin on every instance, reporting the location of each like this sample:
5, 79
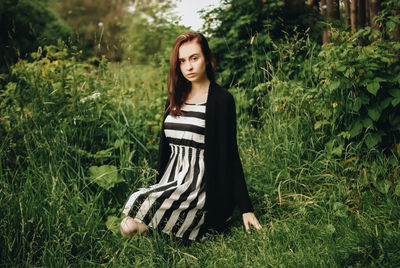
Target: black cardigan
223, 175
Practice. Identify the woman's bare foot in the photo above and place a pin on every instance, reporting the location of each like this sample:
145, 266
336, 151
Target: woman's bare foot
129, 227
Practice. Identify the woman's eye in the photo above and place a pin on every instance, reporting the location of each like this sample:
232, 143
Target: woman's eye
194, 58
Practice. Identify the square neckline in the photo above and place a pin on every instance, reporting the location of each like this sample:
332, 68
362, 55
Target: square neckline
203, 103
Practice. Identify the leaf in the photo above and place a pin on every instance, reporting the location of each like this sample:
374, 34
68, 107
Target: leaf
383, 186
11, 86
364, 98
391, 25
113, 223
340, 209
119, 143
344, 135
357, 105
341, 68
374, 113
356, 128
338, 150
372, 139
330, 229
103, 153
334, 85
373, 87
393, 161
384, 103
367, 122
318, 124
395, 101
394, 92
105, 176
364, 178
397, 190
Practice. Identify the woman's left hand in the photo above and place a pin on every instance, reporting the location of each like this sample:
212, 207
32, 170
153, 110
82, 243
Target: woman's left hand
250, 218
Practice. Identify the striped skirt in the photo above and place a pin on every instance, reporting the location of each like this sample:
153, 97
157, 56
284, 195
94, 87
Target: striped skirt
175, 204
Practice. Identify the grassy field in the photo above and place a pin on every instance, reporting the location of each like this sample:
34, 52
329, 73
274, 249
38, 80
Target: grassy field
64, 123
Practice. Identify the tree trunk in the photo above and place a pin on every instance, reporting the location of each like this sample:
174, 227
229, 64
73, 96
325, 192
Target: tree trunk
347, 13
353, 16
332, 9
361, 14
325, 34
367, 13
396, 32
374, 8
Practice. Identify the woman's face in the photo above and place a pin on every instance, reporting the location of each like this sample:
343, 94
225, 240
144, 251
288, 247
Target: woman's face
192, 62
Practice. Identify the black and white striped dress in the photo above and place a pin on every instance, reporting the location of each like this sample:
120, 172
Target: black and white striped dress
175, 205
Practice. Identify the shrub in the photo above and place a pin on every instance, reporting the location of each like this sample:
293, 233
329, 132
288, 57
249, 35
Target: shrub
359, 91
25, 25
62, 105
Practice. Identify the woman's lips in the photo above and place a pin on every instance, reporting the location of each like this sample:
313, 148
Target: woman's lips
191, 74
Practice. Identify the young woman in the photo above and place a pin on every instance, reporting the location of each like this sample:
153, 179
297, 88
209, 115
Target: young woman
200, 177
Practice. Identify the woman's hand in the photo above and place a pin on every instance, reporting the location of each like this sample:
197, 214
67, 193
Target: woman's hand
250, 218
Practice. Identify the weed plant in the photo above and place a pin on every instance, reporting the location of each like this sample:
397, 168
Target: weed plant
77, 139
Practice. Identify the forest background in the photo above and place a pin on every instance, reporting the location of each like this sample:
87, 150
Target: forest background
317, 90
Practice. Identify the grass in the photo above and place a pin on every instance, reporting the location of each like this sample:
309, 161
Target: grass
316, 208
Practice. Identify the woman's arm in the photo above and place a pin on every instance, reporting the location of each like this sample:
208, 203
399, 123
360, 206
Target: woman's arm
239, 183
240, 188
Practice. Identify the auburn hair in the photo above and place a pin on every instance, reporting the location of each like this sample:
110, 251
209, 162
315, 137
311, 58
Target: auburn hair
178, 86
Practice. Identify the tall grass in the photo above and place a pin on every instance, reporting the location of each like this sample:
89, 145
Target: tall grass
316, 208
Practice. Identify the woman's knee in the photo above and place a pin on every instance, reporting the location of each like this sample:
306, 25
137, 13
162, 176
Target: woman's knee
128, 226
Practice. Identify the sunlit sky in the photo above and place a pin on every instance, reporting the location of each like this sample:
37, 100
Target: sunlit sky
187, 10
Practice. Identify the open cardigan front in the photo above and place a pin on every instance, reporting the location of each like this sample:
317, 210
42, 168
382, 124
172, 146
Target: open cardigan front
223, 177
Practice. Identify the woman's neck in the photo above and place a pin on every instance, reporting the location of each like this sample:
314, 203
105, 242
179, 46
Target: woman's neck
198, 92
199, 87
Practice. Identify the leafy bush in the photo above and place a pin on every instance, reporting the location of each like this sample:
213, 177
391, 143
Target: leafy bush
358, 95
76, 104
25, 25
247, 34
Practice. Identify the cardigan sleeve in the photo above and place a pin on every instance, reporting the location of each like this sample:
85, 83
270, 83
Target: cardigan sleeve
163, 149
239, 184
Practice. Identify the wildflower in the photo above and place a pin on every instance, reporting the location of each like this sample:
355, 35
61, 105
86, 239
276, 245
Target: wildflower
334, 105
90, 97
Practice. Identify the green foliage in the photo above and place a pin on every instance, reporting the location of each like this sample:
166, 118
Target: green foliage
73, 104
151, 30
105, 176
148, 41
76, 139
389, 18
246, 35
358, 94
25, 25
315, 209
294, 177
137, 31
97, 25
70, 132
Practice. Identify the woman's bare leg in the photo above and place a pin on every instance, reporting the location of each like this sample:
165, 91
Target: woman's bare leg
129, 227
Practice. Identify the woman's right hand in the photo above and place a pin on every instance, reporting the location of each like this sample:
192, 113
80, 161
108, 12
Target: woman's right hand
250, 219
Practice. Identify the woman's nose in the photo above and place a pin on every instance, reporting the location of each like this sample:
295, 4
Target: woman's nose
189, 65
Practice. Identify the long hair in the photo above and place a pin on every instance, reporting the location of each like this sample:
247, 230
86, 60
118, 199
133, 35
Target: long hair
178, 86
